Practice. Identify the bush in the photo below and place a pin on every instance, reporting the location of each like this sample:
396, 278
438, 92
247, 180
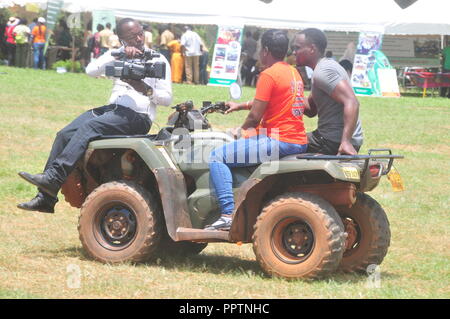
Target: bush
67, 64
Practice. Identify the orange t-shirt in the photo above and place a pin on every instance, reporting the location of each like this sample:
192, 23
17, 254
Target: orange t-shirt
282, 87
39, 35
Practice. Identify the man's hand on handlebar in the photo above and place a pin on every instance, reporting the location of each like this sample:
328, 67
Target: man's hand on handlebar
233, 106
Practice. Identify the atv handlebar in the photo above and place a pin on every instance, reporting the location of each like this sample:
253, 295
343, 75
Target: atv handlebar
209, 107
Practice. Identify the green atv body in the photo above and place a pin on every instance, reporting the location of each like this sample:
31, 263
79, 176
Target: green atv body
143, 195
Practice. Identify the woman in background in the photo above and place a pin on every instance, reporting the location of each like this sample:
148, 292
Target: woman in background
177, 60
39, 38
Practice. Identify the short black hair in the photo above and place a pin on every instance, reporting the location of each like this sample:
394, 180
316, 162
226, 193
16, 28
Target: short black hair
316, 37
347, 65
121, 24
277, 42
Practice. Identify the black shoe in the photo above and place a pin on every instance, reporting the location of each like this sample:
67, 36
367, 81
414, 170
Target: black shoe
40, 203
42, 182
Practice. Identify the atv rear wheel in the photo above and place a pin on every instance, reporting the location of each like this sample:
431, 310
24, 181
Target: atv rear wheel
298, 235
120, 222
369, 234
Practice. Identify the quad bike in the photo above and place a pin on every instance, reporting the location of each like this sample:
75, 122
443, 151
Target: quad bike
307, 215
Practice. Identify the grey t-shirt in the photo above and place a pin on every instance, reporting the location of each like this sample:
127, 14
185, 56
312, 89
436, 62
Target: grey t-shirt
327, 74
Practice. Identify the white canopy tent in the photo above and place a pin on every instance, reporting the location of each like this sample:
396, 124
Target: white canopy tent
423, 17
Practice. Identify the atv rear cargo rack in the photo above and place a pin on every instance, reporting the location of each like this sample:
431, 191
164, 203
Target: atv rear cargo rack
349, 158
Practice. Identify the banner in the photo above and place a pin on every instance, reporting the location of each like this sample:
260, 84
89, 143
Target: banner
103, 17
53, 10
363, 80
372, 73
226, 57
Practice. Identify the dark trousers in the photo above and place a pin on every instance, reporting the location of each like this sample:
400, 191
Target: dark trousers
72, 141
247, 72
203, 66
11, 53
318, 144
166, 53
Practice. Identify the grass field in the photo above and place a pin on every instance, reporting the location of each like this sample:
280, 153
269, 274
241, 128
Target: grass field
38, 250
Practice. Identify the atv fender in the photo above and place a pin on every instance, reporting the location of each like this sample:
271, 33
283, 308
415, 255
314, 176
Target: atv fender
171, 183
250, 195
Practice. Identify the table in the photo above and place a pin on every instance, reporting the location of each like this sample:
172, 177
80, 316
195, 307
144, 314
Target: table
426, 80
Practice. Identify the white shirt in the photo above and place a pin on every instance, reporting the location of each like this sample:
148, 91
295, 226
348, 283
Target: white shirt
191, 41
124, 94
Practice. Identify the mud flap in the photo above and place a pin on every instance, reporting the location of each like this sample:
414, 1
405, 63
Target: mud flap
172, 188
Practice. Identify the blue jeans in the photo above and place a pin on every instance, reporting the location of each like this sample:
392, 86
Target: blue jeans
38, 55
242, 153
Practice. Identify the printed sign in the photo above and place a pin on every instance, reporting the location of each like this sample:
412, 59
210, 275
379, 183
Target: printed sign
227, 53
372, 73
362, 79
53, 9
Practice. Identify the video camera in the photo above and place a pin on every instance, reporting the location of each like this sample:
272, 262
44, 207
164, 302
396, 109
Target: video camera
136, 68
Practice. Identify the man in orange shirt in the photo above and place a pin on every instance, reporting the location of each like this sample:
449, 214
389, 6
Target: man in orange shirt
38, 34
275, 119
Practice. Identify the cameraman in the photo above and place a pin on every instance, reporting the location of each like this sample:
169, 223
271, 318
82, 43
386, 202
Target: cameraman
131, 111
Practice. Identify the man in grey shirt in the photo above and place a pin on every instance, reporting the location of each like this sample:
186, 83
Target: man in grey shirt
332, 98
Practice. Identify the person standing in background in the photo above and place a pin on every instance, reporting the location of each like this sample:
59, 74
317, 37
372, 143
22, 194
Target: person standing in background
63, 39
177, 60
190, 47
165, 38
105, 35
39, 38
86, 51
21, 35
114, 40
148, 41
445, 91
10, 41
96, 42
249, 48
203, 63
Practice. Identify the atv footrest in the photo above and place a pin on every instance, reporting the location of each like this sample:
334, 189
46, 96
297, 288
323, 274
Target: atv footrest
201, 235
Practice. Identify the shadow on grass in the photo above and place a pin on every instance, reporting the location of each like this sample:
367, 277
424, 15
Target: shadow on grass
214, 264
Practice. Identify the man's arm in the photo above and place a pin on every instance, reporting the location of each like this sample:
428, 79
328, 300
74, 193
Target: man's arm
162, 91
97, 67
256, 113
344, 94
310, 107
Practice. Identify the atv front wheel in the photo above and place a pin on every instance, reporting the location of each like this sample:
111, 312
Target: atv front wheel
368, 234
298, 235
120, 222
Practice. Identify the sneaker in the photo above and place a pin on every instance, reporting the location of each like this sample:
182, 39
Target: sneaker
223, 223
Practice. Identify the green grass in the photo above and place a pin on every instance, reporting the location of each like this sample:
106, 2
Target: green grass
37, 248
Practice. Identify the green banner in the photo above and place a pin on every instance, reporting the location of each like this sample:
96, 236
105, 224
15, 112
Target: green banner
363, 78
53, 10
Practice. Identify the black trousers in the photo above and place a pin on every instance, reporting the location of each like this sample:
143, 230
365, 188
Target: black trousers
72, 141
318, 144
